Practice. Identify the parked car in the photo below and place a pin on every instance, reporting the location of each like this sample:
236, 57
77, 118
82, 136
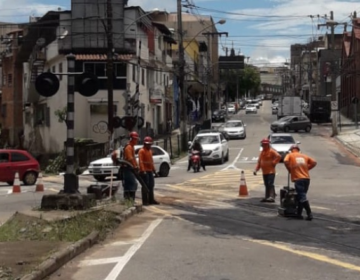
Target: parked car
215, 147
219, 115
235, 129
101, 168
294, 123
274, 110
250, 109
281, 142
12, 161
225, 135
231, 108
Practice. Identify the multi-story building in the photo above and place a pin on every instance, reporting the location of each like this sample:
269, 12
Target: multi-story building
11, 105
350, 67
42, 130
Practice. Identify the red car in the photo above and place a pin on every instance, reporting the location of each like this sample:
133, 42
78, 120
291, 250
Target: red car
12, 161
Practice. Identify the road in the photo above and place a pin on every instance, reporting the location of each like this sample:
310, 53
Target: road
203, 230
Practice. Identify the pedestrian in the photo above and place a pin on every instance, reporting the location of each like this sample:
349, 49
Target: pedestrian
129, 181
299, 165
147, 168
268, 159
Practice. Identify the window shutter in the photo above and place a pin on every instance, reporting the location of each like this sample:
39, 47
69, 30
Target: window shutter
47, 117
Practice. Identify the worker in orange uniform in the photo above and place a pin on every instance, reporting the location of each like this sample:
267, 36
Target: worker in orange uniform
268, 159
299, 165
129, 181
147, 168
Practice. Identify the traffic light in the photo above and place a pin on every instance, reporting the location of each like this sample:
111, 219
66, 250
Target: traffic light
128, 122
140, 122
47, 84
87, 84
116, 122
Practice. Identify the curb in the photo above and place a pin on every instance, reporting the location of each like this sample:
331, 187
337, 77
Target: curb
59, 259
346, 146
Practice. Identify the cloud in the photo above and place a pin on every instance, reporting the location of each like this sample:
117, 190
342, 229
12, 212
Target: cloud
20, 10
146, 5
291, 17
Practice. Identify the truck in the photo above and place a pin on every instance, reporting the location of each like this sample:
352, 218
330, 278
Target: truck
289, 106
319, 110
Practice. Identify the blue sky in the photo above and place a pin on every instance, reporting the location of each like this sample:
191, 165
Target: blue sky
260, 29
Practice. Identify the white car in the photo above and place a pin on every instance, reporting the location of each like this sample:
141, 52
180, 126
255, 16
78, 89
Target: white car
235, 129
101, 168
281, 142
251, 109
215, 147
231, 108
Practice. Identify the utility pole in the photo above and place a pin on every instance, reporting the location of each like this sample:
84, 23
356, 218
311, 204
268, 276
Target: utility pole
334, 96
71, 180
110, 70
212, 34
183, 122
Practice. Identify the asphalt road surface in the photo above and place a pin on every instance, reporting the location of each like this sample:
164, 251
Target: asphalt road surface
203, 230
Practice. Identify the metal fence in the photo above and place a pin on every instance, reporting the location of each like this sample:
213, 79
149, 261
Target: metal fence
176, 144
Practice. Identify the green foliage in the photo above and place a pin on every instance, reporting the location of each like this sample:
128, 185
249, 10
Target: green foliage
248, 80
61, 114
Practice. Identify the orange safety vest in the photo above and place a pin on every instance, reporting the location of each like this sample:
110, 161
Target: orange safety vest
146, 162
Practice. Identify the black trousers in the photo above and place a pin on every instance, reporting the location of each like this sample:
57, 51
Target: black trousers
269, 180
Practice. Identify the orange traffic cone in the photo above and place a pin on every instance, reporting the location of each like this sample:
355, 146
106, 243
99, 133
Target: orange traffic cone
16, 185
243, 190
39, 183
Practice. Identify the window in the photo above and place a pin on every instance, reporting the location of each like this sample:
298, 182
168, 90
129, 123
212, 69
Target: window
4, 157
143, 77
99, 70
16, 157
164, 79
4, 80
9, 80
42, 115
3, 110
60, 71
156, 151
134, 73
120, 70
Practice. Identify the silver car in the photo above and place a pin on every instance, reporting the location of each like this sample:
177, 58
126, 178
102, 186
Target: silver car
235, 129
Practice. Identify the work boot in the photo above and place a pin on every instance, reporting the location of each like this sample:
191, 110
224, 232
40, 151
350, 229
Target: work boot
126, 195
144, 197
270, 199
307, 208
299, 211
133, 196
152, 198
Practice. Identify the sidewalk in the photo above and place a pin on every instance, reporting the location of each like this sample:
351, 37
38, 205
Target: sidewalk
351, 140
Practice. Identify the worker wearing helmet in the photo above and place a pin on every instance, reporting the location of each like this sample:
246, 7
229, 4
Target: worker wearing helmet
268, 159
129, 180
299, 165
147, 169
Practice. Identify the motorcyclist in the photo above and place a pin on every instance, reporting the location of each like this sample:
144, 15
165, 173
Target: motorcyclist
197, 147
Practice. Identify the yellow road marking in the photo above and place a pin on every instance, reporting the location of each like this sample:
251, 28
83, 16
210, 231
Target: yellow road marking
157, 210
314, 256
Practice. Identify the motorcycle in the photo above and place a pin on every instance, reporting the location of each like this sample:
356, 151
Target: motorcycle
195, 161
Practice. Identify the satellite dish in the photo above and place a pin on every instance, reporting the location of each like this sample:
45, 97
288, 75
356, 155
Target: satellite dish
63, 34
40, 42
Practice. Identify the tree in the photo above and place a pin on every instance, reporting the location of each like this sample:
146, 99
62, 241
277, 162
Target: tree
248, 80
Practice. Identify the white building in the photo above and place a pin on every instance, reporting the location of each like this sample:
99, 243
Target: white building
42, 130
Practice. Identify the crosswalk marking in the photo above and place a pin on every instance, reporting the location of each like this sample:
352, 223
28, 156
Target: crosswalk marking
225, 178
